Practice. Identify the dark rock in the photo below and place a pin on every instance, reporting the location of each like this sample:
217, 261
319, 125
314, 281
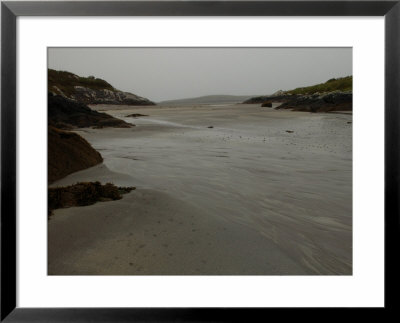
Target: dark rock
210, 127
289, 131
68, 153
269, 98
85, 193
135, 115
67, 114
333, 95
327, 102
267, 104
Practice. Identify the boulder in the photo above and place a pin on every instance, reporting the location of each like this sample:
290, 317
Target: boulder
267, 104
68, 153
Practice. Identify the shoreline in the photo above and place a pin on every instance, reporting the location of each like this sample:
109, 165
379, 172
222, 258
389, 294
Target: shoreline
135, 237
216, 175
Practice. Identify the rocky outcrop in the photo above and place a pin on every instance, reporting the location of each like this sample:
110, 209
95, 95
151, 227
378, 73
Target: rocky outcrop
68, 153
267, 104
327, 102
136, 115
333, 95
85, 193
104, 96
64, 113
90, 90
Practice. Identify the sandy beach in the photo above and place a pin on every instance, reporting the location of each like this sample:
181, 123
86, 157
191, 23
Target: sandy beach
221, 190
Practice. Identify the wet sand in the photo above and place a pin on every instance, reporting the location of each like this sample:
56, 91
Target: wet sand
264, 192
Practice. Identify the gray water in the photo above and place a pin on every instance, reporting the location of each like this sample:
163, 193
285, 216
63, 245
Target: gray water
294, 187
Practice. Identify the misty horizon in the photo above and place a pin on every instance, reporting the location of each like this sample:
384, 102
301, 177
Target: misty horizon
163, 74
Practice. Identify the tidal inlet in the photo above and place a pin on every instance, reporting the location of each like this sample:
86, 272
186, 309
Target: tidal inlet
199, 161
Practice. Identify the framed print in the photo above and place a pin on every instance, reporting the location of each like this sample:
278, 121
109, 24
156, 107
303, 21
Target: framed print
197, 160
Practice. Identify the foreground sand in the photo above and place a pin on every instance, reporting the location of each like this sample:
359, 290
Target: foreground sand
243, 197
151, 233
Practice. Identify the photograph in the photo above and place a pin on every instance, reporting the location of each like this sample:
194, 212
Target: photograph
199, 161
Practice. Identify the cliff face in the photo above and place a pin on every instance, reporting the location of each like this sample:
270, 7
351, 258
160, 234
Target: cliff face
90, 90
67, 153
66, 114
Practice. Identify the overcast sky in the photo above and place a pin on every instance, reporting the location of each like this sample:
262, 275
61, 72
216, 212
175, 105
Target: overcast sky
175, 73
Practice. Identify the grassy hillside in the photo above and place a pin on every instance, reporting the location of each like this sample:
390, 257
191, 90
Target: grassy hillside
340, 84
65, 81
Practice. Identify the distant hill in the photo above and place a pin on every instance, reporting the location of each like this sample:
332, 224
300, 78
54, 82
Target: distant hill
208, 99
90, 90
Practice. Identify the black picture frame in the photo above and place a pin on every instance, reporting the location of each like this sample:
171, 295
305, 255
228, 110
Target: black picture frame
9, 13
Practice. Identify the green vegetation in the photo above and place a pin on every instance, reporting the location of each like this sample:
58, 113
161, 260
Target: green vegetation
340, 84
66, 81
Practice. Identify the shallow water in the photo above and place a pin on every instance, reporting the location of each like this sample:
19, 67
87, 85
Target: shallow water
295, 188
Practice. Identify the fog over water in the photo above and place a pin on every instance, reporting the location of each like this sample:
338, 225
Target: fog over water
174, 73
